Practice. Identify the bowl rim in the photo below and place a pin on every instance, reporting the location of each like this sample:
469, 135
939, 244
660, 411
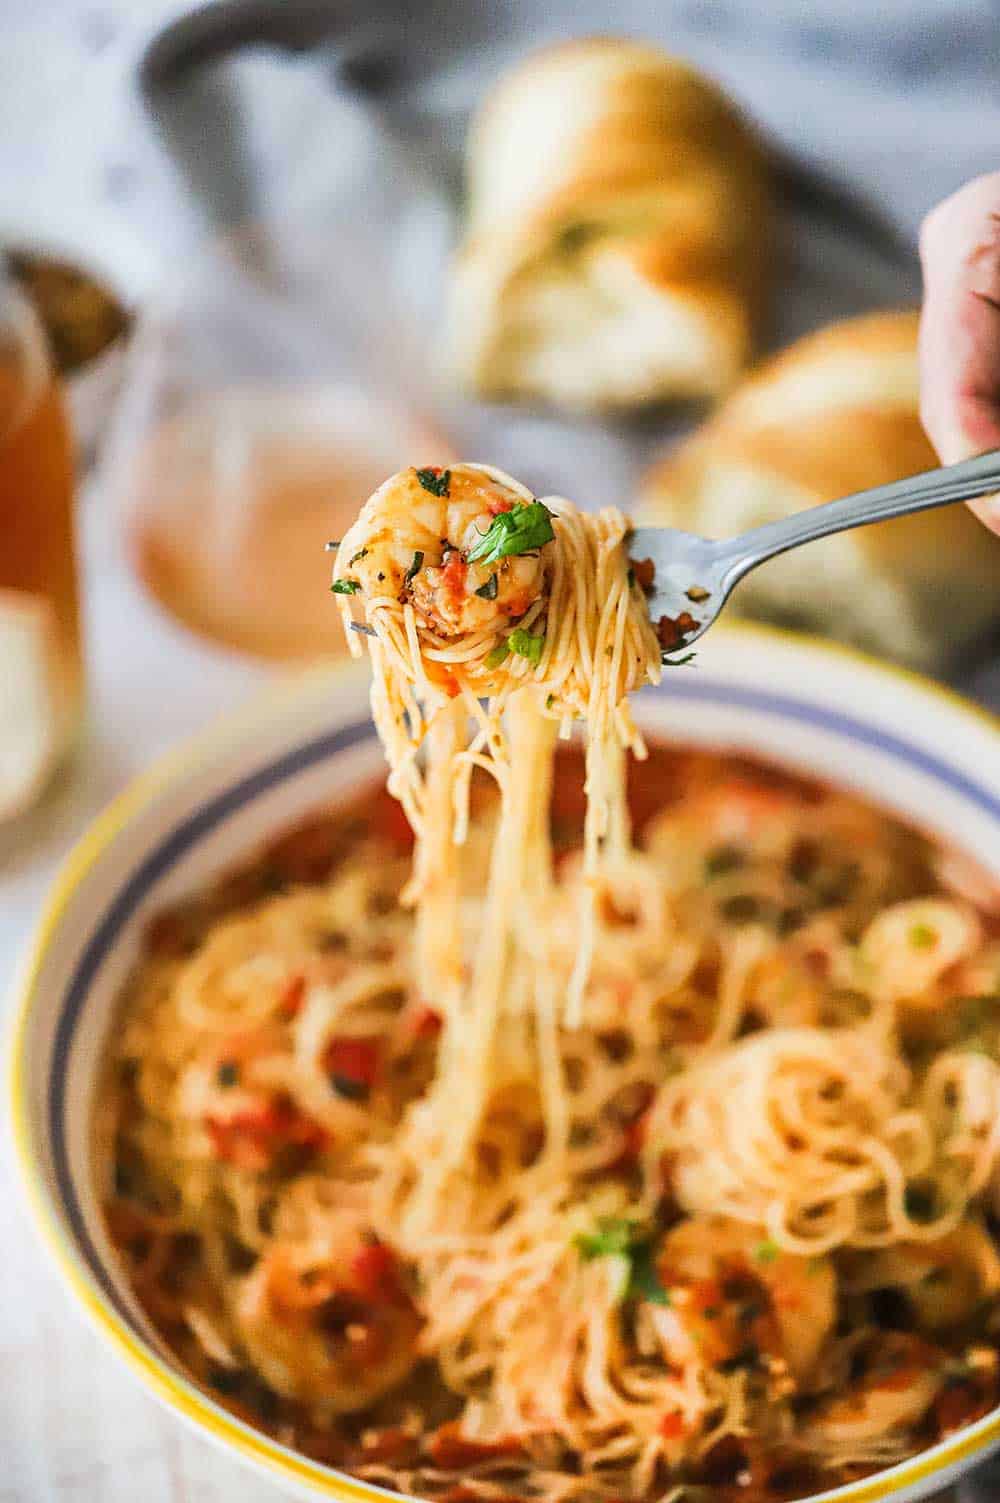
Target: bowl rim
179, 1393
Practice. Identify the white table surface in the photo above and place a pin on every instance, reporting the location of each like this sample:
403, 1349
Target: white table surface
75, 151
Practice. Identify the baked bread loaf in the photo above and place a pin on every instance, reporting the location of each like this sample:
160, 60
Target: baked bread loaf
836, 413
617, 236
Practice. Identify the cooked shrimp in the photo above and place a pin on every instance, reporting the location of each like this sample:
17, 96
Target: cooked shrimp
330, 1324
944, 1281
733, 1292
246, 1118
901, 1380
412, 540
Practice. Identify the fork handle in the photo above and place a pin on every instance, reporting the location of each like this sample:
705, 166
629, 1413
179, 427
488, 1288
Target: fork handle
955, 482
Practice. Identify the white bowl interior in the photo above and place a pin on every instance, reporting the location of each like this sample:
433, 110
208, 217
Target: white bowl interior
912, 750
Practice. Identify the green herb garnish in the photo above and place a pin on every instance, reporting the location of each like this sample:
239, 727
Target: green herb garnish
361, 553
345, 587
497, 654
527, 646
616, 1237
349, 1087
526, 526
923, 937
766, 1251
488, 591
228, 1074
438, 482
723, 859
415, 567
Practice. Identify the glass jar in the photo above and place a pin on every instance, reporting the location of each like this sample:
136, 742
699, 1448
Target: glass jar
41, 679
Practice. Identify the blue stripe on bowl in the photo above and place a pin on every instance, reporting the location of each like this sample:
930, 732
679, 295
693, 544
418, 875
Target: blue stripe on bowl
180, 840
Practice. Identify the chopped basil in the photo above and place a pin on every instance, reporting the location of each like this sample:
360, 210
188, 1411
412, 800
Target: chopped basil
527, 646
349, 1087
488, 591
616, 1237
438, 482
345, 587
415, 567
497, 655
361, 553
526, 526
228, 1073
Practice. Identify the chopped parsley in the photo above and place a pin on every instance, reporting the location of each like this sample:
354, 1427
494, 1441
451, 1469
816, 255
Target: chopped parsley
349, 1087
488, 591
228, 1074
766, 1251
526, 526
415, 567
438, 482
527, 646
615, 1237
345, 587
361, 553
723, 859
923, 937
497, 655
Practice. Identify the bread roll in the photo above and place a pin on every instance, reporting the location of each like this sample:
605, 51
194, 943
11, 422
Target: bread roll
836, 413
617, 233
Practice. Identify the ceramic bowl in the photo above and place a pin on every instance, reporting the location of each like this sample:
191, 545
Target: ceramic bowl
911, 747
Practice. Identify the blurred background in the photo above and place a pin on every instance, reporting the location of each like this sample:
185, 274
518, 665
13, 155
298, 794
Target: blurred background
256, 257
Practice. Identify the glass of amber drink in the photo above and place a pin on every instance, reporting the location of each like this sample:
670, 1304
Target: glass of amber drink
41, 671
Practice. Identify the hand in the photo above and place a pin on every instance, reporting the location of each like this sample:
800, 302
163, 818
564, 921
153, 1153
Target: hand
960, 328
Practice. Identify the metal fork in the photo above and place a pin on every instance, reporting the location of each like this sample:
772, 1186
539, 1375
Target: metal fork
694, 576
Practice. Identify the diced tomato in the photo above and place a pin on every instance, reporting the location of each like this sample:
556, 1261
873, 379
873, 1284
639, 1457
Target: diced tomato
959, 1404
496, 504
354, 1059
707, 1294
453, 575
253, 1134
292, 997
449, 1448
389, 822
645, 572
672, 1425
392, 1445
635, 1138
424, 1022
671, 630
374, 1271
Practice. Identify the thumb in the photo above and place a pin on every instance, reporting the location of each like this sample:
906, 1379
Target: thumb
960, 328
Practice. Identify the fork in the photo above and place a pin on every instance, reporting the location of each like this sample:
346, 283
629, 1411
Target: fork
695, 576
